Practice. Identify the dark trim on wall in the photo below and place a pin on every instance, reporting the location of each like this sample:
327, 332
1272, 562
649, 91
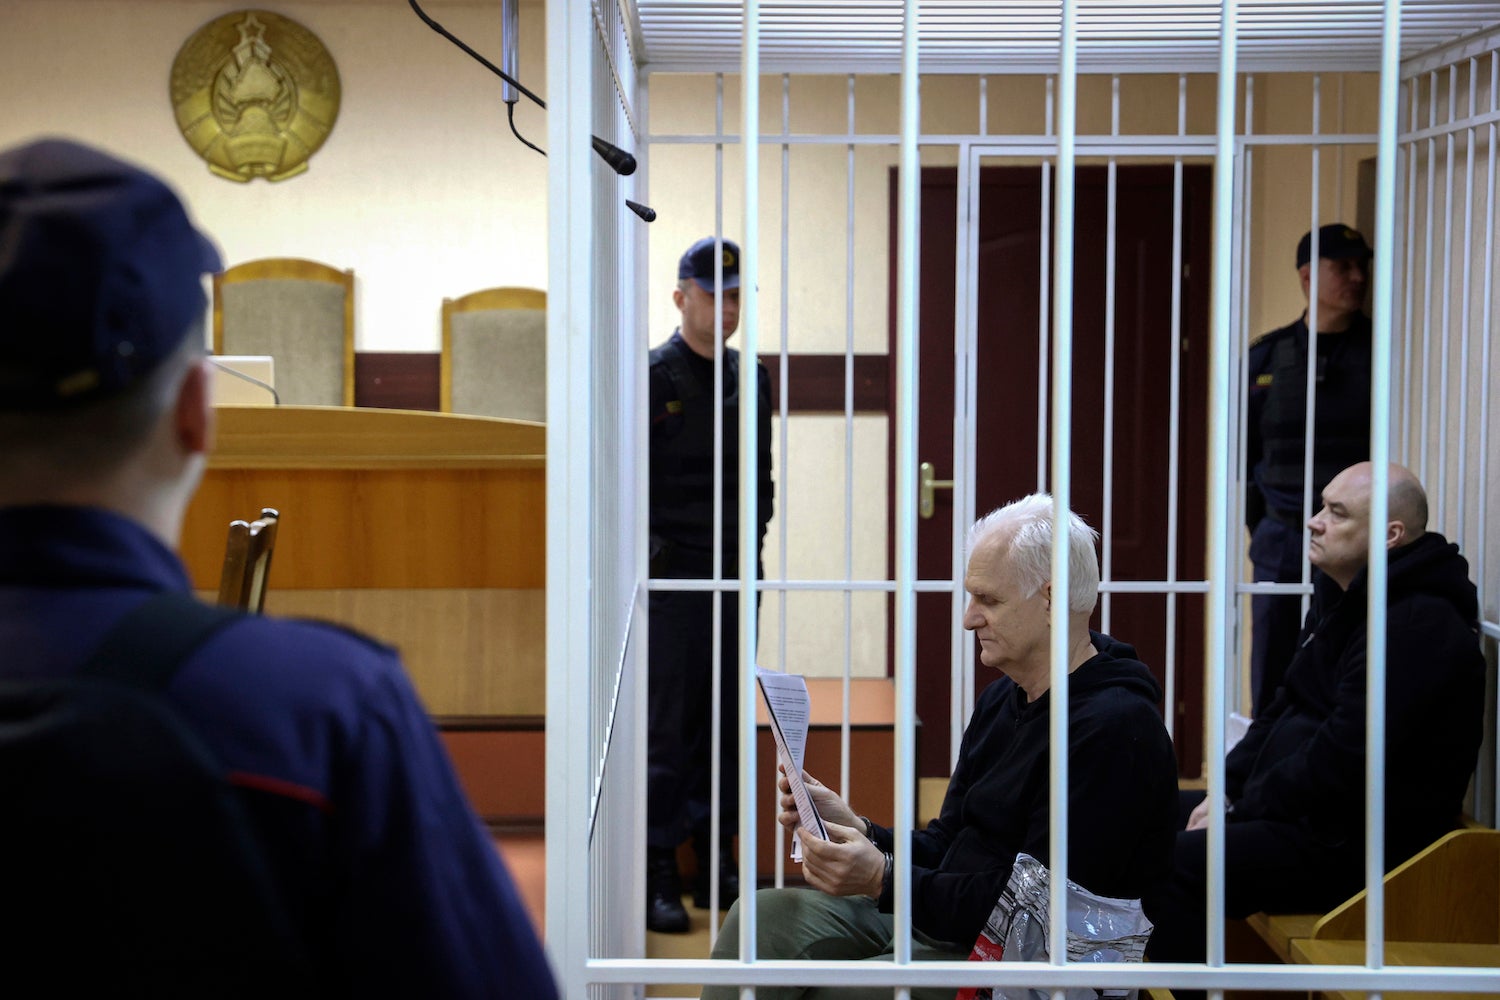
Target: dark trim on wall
398, 381
815, 383
490, 723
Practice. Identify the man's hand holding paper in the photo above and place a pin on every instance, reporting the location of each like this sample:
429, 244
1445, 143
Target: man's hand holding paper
828, 803
846, 863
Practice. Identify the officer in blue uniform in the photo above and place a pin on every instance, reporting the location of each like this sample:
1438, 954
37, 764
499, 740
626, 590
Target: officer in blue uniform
1277, 415
389, 881
682, 408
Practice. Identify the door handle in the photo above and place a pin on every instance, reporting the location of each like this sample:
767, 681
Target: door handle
926, 486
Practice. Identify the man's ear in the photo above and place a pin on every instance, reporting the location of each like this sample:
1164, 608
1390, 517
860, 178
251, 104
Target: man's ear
193, 414
1047, 593
678, 297
1395, 534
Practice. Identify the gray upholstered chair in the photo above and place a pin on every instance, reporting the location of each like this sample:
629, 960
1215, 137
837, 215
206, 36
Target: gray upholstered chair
302, 314
494, 361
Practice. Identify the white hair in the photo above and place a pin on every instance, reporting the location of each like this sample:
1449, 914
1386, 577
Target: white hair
1030, 552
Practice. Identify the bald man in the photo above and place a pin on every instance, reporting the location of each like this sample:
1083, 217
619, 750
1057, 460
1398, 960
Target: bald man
1295, 784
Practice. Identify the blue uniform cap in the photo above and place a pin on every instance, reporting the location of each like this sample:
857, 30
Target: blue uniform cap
698, 264
100, 274
1336, 241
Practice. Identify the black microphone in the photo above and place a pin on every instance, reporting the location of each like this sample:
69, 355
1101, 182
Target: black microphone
646, 212
619, 161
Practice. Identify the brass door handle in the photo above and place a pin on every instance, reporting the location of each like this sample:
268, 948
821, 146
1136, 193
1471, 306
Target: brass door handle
926, 485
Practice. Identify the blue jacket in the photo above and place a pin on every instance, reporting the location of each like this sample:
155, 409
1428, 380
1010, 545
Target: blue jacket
396, 888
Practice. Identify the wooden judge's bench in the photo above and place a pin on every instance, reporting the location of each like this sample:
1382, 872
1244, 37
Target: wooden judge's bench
426, 530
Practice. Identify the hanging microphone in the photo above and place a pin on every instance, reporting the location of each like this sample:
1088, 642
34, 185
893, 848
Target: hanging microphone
619, 161
646, 212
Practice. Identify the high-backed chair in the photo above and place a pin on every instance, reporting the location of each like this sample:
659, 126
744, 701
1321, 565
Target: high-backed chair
494, 360
302, 314
247, 562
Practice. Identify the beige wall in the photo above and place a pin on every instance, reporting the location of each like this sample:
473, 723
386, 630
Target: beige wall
420, 188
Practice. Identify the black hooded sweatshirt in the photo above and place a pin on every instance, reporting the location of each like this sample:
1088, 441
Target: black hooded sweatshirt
1122, 796
1303, 760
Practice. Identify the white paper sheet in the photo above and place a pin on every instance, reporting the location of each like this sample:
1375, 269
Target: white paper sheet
789, 707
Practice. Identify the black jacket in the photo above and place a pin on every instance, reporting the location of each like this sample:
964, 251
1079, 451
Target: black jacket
1276, 415
1303, 760
682, 457
1122, 796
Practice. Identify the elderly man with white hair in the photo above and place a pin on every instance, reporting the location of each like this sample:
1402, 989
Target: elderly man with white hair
1122, 778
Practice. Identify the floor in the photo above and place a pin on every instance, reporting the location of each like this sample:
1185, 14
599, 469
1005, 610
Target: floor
525, 856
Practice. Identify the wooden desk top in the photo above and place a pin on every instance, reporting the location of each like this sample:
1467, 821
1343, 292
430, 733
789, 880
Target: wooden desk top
1403, 953
335, 437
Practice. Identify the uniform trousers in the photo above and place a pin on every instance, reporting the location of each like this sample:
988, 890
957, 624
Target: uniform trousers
808, 924
679, 712
1276, 619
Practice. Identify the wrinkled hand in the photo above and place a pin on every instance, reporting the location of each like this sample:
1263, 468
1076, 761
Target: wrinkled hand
1198, 819
830, 806
846, 864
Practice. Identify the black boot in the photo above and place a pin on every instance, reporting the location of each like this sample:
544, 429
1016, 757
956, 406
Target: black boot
665, 913
729, 876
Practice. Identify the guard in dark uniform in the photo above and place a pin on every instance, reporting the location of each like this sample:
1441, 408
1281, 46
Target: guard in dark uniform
1275, 439
388, 883
682, 409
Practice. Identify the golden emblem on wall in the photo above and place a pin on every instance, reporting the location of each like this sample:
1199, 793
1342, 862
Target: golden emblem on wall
256, 94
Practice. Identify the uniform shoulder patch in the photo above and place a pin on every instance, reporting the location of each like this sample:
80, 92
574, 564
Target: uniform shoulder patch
1264, 380
674, 406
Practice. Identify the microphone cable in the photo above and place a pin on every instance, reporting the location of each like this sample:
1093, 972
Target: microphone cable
510, 114
275, 396
618, 159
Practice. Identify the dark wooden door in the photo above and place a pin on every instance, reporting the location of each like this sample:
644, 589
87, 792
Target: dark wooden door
1008, 272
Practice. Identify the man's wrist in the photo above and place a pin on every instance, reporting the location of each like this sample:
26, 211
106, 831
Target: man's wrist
886, 876
869, 830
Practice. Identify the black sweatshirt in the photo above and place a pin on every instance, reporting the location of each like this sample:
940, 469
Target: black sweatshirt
1303, 760
1122, 796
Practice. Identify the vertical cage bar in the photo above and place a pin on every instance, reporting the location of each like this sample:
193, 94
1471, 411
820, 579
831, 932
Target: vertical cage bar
1380, 406
1460, 535
965, 243
569, 493
1241, 240
783, 407
716, 657
1111, 210
906, 479
1220, 476
847, 692
968, 461
1315, 269
1426, 421
1174, 459
1044, 323
1408, 296
1062, 482
1440, 509
1486, 393
749, 520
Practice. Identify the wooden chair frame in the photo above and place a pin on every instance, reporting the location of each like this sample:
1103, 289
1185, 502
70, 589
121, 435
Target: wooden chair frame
293, 269
480, 301
247, 561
